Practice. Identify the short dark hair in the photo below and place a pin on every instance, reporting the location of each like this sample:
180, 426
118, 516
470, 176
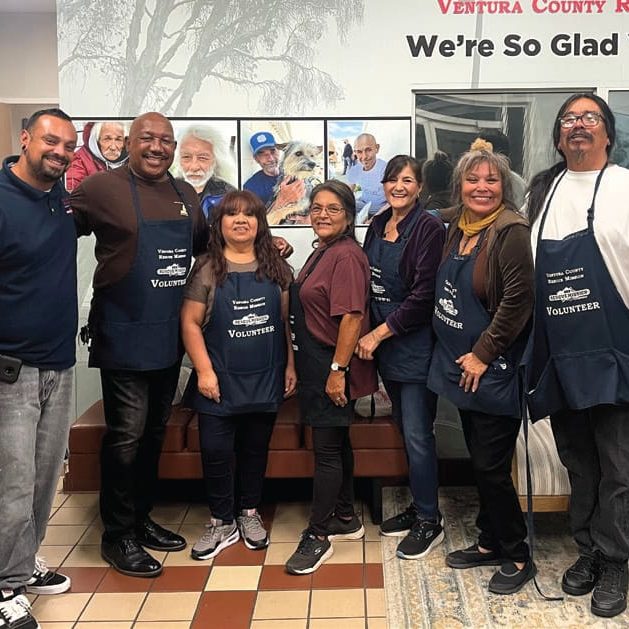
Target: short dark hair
55, 112
437, 172
347, 198
398, 163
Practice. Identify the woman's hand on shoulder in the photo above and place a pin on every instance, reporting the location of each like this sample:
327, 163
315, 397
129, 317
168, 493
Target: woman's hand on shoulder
290, 381
472, 368
207, 383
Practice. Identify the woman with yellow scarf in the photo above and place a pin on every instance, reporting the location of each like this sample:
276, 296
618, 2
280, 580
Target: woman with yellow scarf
483, 305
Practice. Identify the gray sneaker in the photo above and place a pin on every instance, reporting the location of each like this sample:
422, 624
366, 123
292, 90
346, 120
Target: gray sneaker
252, 529
217, 537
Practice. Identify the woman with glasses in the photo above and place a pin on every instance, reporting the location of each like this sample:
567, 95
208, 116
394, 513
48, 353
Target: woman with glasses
328, 306
234, 323
483, 303
404, 245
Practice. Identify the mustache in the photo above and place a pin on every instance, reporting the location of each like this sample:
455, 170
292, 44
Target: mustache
157, 154
582, 133
62, 160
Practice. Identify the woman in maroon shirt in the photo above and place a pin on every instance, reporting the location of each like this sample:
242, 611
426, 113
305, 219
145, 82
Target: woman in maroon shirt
328, 308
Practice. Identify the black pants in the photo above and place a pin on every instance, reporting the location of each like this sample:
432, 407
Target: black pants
333, 483
137, 406
594, 445
491, 441
247, 437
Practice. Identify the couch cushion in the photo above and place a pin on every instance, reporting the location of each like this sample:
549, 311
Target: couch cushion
368, 434
87, 432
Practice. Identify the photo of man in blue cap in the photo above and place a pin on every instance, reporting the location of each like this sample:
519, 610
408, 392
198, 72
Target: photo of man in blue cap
267, 155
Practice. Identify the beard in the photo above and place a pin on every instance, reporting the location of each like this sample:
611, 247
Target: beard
49, 167
198, 179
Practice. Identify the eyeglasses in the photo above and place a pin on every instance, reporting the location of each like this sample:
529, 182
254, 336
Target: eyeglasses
332, 210
588, 119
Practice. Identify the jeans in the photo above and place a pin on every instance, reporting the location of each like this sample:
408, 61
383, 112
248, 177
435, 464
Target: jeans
333, 482
491, 441
247, 436
593, 444
35, 418
137, 406
414, 408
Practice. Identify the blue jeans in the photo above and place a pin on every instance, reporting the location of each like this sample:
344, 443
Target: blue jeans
414, 410
35, 417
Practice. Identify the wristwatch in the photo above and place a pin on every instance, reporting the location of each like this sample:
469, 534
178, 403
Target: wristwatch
337, 367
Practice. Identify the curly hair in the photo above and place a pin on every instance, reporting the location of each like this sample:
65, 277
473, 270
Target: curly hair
270, 264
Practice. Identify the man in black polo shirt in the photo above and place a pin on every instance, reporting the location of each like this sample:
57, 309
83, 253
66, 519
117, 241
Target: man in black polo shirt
38, 321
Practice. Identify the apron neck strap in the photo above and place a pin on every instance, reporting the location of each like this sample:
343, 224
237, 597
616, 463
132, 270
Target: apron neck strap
133, 183
591, 208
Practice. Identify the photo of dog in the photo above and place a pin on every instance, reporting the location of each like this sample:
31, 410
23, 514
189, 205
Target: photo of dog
300, 160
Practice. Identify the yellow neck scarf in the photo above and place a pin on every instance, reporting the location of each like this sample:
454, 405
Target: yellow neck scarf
471, 227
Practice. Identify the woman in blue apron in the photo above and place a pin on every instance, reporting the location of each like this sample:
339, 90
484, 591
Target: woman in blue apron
404, 245
328, 304
483, 303
234, 324
578, 358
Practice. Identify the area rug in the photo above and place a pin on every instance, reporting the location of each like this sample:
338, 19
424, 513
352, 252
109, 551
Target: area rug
426, 593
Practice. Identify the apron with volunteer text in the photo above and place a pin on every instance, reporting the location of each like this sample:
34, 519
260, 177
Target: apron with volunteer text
399, 358
134, 323
578, 353
313, 360
459, 319
246, 342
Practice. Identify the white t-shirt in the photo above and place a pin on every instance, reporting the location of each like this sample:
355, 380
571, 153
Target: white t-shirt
568, 214
370, 182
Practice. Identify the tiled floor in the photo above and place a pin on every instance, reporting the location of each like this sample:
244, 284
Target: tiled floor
239, 589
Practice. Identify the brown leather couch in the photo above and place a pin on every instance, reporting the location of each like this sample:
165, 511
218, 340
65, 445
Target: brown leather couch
378, 449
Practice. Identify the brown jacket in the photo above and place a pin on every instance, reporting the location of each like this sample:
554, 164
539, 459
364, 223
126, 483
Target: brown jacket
509, 281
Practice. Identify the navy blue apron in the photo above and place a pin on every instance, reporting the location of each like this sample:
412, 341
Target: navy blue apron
399, 358
134, 323
246, 342
312, 361
578, 353
459, 319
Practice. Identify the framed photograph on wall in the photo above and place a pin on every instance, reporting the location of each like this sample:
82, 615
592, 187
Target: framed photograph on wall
281, 161
358, 150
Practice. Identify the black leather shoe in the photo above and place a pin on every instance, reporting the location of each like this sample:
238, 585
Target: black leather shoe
581, 577
509, 580
472, 557
129, 558
156, 537
609, 597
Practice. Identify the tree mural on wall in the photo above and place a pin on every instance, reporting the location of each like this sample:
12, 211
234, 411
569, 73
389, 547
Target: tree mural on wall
156, 54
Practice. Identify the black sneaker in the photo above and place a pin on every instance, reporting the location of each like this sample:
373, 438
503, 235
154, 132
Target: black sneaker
310, 554
340, 529
399, 525
509, 580
46, 581
15, 613
421, 539
609, 597
581, 577
472, 557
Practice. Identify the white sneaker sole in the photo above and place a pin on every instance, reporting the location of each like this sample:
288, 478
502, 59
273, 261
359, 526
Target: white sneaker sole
50, 589
326, 555
403, 533
250, 546
339, 537
232, 539
435, 542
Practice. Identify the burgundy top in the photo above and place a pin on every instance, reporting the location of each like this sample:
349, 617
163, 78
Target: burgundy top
339, 284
